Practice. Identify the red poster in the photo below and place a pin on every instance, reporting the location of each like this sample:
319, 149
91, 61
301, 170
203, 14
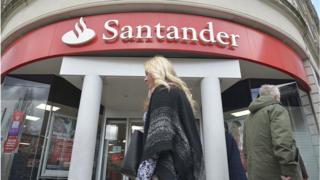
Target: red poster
12, 142
61, 151
60, 148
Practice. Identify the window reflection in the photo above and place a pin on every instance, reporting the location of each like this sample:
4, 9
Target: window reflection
290, 99
38, 119
59, 146
20, 136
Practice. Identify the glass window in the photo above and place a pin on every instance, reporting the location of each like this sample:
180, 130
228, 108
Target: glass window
37, 126
290, 99
21, 125
59, 146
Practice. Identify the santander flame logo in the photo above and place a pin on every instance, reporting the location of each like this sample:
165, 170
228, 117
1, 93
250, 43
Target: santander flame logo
80, 35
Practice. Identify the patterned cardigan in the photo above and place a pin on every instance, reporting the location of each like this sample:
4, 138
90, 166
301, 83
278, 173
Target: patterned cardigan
171, 134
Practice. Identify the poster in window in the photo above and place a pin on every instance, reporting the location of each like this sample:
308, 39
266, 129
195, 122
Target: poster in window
12, 141
59, 148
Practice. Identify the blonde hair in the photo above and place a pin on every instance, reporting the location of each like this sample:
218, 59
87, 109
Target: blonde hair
164, 74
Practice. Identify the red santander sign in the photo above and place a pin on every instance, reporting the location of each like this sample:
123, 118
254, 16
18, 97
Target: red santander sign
114, 30
141, 32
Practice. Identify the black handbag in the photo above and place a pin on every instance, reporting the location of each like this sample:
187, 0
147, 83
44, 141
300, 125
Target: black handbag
132, 157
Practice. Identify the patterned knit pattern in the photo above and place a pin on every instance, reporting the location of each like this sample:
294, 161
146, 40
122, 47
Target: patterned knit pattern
172, 136
165, 128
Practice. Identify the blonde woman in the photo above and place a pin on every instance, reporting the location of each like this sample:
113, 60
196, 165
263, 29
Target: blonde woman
172, 147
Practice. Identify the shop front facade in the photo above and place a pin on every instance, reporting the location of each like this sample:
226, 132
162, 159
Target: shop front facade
73, 90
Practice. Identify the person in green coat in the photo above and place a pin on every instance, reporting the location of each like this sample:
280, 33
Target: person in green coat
269, 148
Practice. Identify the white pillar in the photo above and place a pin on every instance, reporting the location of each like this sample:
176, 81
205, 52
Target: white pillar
215, 153
86, 129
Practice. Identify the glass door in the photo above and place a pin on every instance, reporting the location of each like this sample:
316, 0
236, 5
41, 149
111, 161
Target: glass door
117, 132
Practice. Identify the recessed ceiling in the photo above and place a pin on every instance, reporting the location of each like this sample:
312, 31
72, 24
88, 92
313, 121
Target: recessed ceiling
129, 93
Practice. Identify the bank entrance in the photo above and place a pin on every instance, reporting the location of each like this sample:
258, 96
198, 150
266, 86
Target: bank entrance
48, 144
95, 70
124, 98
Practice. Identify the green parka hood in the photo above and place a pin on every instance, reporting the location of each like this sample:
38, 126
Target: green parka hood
261, 102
